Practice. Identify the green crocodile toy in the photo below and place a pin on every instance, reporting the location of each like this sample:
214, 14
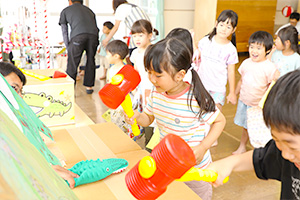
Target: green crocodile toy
94, 170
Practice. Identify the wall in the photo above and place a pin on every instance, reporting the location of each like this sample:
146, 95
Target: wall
205, 17
279, 18
179, 13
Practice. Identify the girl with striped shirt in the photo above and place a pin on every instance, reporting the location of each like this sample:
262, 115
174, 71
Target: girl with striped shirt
181, 108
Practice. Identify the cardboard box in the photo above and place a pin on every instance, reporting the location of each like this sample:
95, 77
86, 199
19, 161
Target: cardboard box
52, 100
103, 141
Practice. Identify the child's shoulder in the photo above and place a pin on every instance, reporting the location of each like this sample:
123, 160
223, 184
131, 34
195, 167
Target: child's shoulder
205, 39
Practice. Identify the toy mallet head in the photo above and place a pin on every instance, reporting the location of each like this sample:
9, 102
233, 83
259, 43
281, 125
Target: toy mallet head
126, 80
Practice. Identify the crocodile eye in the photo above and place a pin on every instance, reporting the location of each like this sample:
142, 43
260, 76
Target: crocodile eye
49, 98
42, 95
107, 169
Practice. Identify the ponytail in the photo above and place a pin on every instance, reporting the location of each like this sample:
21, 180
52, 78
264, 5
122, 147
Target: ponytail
205, 101
233, 39
212, 34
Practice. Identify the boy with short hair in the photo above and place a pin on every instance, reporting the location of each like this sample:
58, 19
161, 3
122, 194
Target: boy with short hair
107, 26
257, 72
116, 52
280, 158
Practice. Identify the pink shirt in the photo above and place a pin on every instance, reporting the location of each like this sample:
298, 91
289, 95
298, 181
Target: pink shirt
256, 77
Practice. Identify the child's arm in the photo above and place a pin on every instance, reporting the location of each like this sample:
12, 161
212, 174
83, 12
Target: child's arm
214, 132
112, 33
142, 119
269, 56
66, 174
238, 87
224, 167
231, 81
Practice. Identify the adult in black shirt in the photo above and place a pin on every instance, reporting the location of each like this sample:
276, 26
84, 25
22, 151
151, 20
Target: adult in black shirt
84, 36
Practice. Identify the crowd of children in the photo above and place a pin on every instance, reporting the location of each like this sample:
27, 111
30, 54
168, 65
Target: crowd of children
191, 107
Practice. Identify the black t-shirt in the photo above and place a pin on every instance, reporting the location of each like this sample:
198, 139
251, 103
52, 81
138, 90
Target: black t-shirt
269, 164
80, 18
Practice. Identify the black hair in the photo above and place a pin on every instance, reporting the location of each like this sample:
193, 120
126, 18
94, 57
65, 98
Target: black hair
295, 15
232, 18
6, 68
80, 1
118, 47
116, 3
172, 55
289, 33
282, 107
262, 37
143, 26
183, 35
108, 24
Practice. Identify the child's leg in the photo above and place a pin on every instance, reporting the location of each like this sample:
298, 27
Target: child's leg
244, 139
240, 119
105, 64
201, 188
219, 99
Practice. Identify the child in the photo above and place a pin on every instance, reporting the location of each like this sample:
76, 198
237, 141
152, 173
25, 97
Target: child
179, 107
286, 57
218, 58
107, 26
280, 158
257, 72
116, 51
141, 32
185, 36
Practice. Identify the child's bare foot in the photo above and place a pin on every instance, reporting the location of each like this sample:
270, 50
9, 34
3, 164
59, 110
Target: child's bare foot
240, 150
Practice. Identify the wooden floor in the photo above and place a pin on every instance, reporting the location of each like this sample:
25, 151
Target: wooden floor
241, 186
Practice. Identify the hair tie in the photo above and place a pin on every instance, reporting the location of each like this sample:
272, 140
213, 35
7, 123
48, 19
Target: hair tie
191, 68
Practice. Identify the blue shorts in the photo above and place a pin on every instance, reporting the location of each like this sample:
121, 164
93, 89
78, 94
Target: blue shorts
219, 97
240, 118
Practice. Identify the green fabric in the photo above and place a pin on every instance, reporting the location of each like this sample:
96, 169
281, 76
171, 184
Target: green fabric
24, 170
32, 126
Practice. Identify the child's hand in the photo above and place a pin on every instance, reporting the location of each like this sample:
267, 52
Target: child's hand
231, 98
131, 120
222, 170
66, 174
199, 152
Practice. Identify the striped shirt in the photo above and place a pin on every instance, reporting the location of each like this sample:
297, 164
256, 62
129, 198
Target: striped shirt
173, 115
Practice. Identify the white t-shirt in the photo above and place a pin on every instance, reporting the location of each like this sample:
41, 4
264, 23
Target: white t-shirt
113, 70
145, 86
214, 60
122, 11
